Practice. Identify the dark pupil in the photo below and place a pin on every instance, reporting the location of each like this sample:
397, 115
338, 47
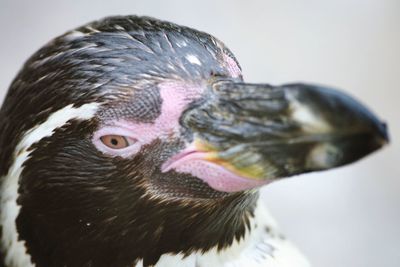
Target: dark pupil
114, 142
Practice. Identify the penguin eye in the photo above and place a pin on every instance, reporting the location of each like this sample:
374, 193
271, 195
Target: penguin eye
116, 141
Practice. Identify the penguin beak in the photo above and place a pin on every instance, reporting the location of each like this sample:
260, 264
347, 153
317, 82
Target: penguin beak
262, 132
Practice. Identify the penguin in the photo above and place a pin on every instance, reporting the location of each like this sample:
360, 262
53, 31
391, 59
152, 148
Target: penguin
136, 142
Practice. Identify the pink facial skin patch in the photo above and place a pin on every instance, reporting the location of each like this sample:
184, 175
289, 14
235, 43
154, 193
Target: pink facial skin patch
217, 177
232, 66
175, 98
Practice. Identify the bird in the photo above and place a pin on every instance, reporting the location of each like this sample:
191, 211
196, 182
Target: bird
135, 142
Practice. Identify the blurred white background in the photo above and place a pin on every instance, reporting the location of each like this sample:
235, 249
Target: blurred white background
345, 217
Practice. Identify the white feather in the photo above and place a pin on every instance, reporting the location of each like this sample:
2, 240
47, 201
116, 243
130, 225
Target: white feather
193, 59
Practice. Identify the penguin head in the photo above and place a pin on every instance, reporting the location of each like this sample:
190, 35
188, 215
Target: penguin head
130, 137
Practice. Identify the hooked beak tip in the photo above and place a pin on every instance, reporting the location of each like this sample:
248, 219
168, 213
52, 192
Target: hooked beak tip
383, 133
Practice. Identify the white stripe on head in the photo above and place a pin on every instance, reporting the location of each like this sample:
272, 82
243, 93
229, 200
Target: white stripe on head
15, 250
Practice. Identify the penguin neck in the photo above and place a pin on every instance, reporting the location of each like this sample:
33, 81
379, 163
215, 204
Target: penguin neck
202, 227
261, 245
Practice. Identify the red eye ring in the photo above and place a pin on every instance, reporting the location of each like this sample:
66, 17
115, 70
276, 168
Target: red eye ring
116, 141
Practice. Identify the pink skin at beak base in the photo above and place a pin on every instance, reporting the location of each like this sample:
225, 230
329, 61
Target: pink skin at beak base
194, 162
